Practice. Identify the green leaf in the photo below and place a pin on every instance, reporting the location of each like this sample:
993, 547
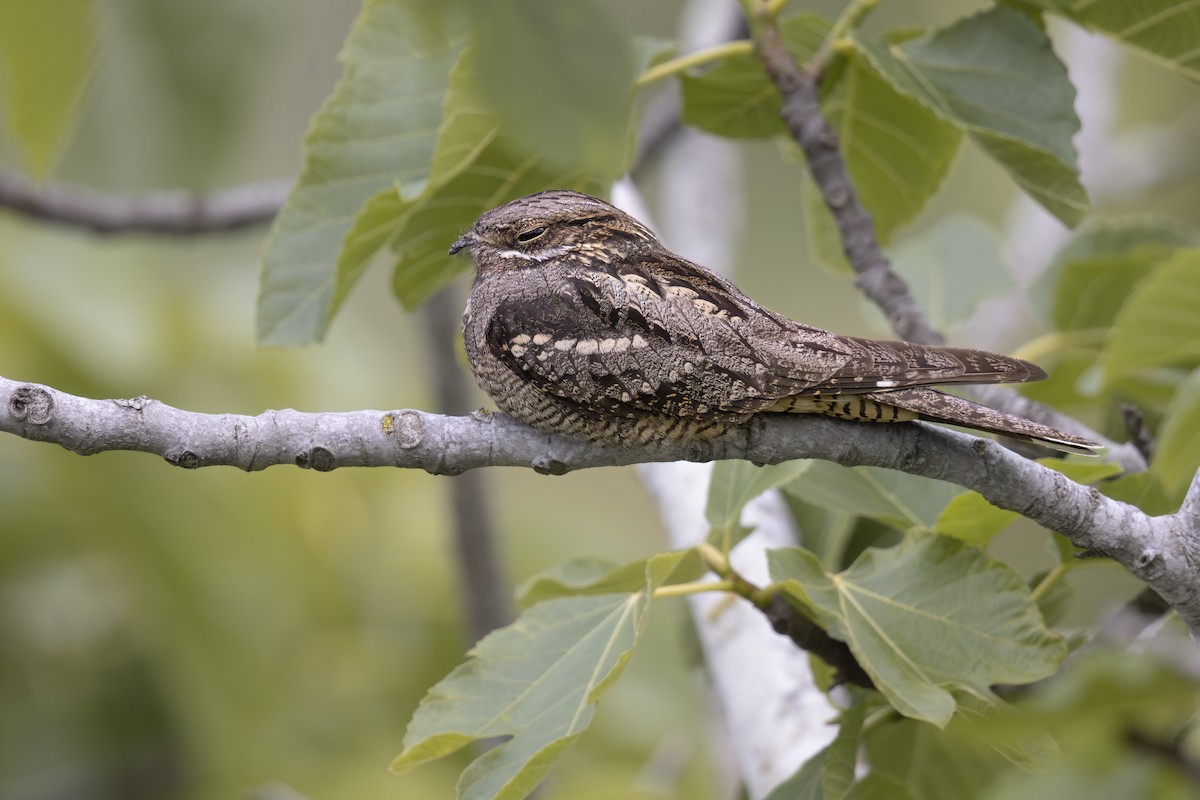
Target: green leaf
805, 783
47, 58
1144, 490
996, 77
893, 498
953, 267
925, 619
897, 150
535, 682
1158, 325
736, 483
841, 756
1164, 30
735, 98
375, 131
970, 518
593, 576
1094, 272
1178, 455
559, 76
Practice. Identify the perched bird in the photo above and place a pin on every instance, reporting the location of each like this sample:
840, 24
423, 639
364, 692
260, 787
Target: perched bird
581, 322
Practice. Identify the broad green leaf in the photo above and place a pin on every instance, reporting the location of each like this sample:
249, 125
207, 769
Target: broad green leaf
736, 483
735, 99
534, 682
880, 786
891, 497
897, 150
594, 576
1165, 30
559, 76
952, 268
47, 58
1093, 273
375, 132
1178, 455
925, 619
970, 518
995, 76
1159, 324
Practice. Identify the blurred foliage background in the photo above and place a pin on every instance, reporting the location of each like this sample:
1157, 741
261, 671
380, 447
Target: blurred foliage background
212, 634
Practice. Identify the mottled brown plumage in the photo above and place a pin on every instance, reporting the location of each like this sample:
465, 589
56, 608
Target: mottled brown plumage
580, 322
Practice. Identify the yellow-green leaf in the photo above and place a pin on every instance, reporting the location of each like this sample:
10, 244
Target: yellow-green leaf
47, 58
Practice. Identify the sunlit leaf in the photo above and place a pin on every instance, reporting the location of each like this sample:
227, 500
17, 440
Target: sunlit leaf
1158, 325
375, 132
925, 619
535, 683
47, 58
996, 77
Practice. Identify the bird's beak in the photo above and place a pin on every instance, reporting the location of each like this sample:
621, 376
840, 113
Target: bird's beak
464, 242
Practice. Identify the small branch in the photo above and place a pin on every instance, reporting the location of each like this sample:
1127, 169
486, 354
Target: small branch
165, 212
811, 637
698, 59
1162, 551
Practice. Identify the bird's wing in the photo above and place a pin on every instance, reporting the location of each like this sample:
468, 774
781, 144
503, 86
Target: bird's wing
881, 365
625, 340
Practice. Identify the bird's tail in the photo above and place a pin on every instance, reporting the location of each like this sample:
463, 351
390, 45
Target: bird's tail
935, 406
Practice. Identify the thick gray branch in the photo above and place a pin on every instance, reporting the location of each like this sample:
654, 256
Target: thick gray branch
1162, 551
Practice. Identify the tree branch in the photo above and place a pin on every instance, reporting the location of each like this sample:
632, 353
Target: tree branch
173, 212
1164, 552
875, 277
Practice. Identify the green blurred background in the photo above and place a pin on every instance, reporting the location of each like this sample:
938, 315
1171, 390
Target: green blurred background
213, 634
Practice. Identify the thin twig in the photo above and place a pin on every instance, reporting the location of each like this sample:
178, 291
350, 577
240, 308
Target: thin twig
174, 212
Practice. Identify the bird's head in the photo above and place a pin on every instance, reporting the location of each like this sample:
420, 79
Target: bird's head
534, 229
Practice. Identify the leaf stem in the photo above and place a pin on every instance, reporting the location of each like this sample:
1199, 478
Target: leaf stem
717, 561
851, 17
1036, 349
696, 587
1047, 583
698, 59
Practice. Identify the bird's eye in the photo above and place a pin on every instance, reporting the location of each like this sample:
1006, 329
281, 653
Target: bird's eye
531, 234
